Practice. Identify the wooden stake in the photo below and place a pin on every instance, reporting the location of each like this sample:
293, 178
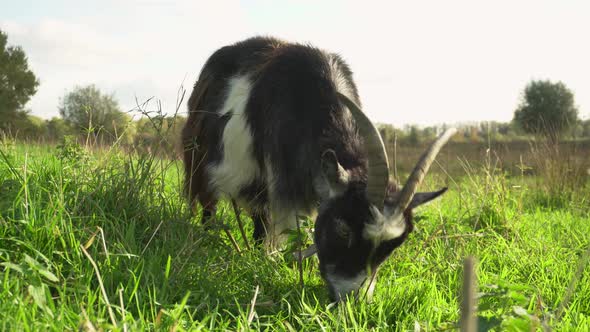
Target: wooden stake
468, 301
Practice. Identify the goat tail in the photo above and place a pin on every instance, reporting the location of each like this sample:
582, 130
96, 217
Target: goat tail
194, 139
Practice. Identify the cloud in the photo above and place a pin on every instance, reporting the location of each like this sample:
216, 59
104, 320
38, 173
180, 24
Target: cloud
418, 62
64, 44
135, 49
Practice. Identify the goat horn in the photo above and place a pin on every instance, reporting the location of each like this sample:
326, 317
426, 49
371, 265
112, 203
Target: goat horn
378, 176
421, 169
306, 253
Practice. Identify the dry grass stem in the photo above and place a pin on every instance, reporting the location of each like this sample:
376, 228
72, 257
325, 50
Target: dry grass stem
102, 289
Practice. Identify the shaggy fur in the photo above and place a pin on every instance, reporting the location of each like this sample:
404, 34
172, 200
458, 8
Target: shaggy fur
266, 127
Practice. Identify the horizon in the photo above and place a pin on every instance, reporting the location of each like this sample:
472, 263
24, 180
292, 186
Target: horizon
453, 62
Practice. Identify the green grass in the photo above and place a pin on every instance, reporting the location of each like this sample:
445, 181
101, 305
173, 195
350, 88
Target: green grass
161, 270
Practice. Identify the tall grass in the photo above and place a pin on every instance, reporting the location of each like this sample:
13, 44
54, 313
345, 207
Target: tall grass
102, 239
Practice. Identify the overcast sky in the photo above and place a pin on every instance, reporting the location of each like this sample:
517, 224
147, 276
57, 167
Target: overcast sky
422, 62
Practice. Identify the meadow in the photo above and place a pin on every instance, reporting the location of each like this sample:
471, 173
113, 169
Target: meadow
98, 239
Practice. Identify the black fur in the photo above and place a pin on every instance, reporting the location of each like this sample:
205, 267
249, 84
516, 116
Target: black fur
260, 220
294, 115
256, 195
342, 249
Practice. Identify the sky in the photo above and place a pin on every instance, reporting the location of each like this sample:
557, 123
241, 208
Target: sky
414, 62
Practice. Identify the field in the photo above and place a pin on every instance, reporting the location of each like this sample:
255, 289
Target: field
101, 240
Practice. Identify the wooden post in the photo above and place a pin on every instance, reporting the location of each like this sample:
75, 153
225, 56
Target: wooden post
468, 321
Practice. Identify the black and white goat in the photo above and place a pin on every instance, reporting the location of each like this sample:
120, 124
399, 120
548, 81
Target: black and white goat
277, 126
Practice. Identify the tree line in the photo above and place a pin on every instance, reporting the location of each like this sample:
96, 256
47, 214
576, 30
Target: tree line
547, 109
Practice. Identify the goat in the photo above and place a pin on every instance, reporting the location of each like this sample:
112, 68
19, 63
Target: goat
278, 127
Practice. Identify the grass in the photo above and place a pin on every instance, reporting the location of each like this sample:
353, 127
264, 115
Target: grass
104, 240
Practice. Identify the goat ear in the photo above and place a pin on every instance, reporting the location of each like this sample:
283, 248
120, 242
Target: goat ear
423, 198
334, 173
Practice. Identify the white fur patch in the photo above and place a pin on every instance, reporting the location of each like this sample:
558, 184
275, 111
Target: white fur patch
238, 166
384, 228
339, 79
342, 86
371, 288
282, 219
325, 190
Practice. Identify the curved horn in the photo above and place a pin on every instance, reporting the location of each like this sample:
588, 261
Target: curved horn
421, 168
378, 176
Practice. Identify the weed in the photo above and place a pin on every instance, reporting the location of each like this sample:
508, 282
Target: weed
103, 239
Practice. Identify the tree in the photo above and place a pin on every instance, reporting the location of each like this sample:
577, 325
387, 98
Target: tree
413, 135
160, 134
25, 126
17, 82
33, 127
546, 109
387, 133
57, 128
585, 128
89, 111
